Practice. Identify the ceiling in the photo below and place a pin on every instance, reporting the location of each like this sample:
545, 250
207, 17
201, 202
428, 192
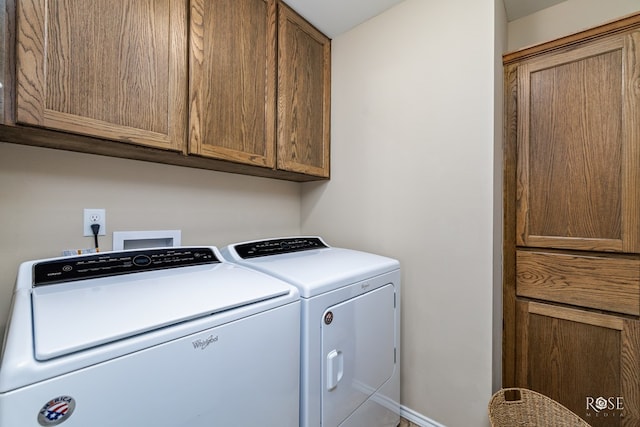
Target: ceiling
519, 8
334, 17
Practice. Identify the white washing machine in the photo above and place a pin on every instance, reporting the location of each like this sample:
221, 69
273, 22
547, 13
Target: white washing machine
350, 366
158, 337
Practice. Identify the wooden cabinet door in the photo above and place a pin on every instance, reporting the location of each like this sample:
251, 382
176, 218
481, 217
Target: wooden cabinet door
109, 69
4, 70
577, 357
579, 147
304, 91
232, 80
583, 279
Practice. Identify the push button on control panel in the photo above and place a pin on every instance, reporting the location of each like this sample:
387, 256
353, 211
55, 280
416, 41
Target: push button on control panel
141, 260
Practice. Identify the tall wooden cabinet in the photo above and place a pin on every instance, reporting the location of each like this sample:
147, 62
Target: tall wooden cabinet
234, 85
572, 221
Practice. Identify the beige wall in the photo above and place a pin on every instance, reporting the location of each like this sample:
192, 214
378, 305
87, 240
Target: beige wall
566, 18
416, 175
412, 178
43, 193
499, 48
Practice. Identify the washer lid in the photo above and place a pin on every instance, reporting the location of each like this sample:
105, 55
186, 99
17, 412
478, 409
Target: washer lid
69, 317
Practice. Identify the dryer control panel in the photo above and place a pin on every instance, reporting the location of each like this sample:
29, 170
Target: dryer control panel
278, 246
116, 263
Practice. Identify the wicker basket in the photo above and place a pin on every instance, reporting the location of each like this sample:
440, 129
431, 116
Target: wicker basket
527, 408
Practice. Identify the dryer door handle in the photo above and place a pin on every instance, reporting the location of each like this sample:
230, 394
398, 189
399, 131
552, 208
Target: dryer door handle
335, 368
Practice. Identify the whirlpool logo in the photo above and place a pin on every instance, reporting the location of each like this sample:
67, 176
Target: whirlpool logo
605, 407
201, 344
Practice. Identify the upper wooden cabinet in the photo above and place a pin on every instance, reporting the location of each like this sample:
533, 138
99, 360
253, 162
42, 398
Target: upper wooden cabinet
578, 152
238, 50
232, 80
113, 70
238, 86
304, 93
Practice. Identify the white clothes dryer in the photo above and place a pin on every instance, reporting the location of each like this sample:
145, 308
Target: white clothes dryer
165, 337
350, 366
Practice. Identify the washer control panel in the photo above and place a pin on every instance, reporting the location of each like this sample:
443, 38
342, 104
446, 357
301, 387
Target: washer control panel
116, 263
278, 246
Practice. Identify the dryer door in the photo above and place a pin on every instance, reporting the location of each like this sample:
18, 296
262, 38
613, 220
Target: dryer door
358, 352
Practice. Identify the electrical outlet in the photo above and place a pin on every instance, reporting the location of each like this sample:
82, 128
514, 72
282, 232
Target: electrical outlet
94, 216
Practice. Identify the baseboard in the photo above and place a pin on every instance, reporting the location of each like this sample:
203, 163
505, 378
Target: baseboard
417, 418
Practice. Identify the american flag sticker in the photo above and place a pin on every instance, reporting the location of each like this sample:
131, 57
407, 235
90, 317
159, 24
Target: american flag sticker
56, 411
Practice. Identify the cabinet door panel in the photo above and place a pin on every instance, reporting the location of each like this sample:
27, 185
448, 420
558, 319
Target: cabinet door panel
577, 148
232, 82
4, 56
576, 356
304, 56
115, 70
587, 280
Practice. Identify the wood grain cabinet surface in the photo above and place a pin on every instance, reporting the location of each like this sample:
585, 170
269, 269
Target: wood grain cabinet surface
571, 266
579, 147
113, 70
3, 60
259, 86
232, 80
581, 279
576, 356
232, 85
304, 88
